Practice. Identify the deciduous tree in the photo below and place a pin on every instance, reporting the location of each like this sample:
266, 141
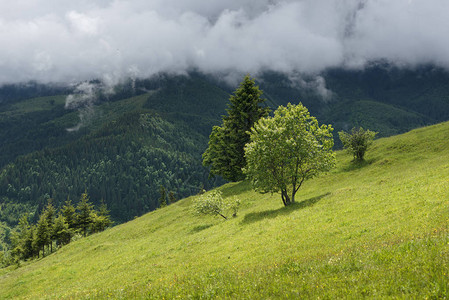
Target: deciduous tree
213, 203
357, 142
287, 149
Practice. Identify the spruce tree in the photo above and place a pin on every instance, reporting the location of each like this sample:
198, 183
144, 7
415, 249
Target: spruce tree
69, 213
225, 153
61, 231
101, 219
22, 239
42, 236
84, 217
163, 197
50, 214
171, 197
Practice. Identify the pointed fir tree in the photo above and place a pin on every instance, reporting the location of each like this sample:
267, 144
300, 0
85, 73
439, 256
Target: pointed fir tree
69, 213
225, 153
50, 215
84, 217
42, 236
101, 219
22, 239
163, 197
172, 197
61, 231
103, 209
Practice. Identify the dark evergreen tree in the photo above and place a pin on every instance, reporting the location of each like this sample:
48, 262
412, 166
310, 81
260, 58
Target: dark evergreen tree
163, 197
22, 239
172, 197
69, 213
61, 231
42, 236
225, 153
101, 219
84, 217
103, 209
50, 215
99, 222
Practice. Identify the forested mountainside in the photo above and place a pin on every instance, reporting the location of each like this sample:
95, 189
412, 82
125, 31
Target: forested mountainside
124, 153
151, 133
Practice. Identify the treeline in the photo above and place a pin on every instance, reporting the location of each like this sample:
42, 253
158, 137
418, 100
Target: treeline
55, 228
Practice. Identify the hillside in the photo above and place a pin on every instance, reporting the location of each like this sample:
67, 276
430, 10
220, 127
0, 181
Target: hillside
375, 230
151, 132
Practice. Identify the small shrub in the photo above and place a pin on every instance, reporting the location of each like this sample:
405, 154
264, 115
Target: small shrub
214, 204
357, 142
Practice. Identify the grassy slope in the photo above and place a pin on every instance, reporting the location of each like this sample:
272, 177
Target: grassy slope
375, 230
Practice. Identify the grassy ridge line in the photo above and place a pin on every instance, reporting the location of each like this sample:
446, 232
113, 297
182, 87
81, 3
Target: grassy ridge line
376, 230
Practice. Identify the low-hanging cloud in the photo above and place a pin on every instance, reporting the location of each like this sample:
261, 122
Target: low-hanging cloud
71, 41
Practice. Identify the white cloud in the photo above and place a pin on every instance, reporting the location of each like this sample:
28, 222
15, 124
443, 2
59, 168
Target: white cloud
60, 40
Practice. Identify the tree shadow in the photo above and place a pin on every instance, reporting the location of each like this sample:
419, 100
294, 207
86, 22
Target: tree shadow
356, 165
200, 228
273, 213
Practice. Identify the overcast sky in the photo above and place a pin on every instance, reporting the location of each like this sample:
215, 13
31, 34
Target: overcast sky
62, 40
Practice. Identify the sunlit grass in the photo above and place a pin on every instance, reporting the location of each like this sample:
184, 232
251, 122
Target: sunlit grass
377, 229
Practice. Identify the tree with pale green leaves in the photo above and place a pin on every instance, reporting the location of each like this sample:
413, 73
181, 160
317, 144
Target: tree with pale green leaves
213, 203
287, 149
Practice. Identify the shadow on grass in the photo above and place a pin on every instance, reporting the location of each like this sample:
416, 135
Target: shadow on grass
356, 165
273, 213
200, 228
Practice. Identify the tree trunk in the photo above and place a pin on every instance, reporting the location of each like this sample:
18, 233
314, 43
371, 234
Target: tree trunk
222, 216
293, 195
285, 197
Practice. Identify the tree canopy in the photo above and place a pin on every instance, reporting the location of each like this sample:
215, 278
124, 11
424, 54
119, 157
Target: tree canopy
287, 149
225, 152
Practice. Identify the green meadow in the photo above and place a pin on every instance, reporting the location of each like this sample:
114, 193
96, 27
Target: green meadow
374, 230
